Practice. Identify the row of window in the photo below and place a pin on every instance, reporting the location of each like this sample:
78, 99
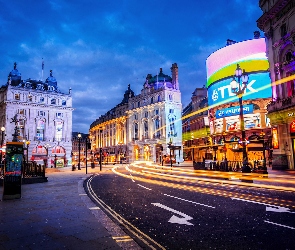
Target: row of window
53, 101
40, 113
152, 100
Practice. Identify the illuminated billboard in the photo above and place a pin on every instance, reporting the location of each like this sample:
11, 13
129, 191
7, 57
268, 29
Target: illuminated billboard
221, 66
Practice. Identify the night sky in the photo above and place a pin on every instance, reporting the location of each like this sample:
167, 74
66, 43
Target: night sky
98, 47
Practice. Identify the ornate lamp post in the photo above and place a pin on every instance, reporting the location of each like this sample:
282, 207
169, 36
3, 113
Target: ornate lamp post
28, 144
170, 152
2, 135
264, 143
79, 149
2, 140
238, 89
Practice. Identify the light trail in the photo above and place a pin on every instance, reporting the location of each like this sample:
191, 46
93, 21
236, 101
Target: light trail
148, 178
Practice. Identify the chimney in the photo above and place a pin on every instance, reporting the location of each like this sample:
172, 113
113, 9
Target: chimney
174, 70
256, 34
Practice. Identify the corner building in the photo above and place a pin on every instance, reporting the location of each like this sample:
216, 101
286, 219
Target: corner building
278, 24
143, 126
44, 118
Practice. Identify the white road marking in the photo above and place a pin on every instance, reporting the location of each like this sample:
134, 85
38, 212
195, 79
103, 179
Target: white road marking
268, 208
189, 201
175, 219
144, 187
277, 224
279, 210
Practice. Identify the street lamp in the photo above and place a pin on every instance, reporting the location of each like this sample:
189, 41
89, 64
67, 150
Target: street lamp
2, 139
28, 144
170, 149
239, 89
264, 142
79, 149
2, 135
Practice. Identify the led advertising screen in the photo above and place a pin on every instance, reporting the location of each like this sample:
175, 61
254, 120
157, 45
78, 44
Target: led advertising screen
259, 86
221, 66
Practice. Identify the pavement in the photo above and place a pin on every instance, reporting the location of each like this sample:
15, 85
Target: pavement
58, 214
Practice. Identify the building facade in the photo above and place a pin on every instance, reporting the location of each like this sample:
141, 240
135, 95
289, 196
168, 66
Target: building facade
38, 114
278, 23
195, 127
145, 126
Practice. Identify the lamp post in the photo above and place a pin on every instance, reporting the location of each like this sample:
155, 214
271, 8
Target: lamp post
2, 135
2, 139
239, 91
28, 144
264, 142
79, 149
170, 149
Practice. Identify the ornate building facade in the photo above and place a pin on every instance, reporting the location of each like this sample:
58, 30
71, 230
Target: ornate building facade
278, 23
43, 118
145, 126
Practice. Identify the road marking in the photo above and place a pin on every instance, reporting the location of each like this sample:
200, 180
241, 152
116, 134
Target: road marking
277, 224
189, 201
144, 187
279, 210
257, 202
175, 219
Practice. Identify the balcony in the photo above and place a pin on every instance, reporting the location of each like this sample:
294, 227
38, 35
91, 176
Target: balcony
281, 104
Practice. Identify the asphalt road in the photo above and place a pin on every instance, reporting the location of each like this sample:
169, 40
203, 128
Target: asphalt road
169, 214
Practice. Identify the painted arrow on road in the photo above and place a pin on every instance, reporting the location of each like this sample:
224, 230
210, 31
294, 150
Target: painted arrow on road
175, 219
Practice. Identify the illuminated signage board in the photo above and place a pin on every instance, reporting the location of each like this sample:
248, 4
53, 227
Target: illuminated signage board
221, 66
259, 86
275, 138
247, 109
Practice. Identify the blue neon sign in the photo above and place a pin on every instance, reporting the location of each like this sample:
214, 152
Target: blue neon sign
231, 111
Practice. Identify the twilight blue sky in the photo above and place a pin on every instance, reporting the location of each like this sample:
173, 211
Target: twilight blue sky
98, 47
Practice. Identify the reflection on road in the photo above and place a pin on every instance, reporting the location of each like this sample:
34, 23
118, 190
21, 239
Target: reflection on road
252, 187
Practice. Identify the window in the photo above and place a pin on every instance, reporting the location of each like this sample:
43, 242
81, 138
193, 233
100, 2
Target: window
40, 130
53, 101
21, 111
152, 100
288, 56
283, 30
136, 130
64, 103
170, 97
59, 115
41, 113
156, 111
41, 99
146, 114
58, 131
135, 116
17, 96
138, 104
159, 98
171, 111
30, 98
146, 129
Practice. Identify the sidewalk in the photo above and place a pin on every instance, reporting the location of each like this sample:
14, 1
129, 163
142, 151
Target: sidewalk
58, 215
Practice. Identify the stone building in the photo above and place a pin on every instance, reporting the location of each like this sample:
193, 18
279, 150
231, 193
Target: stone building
278, 24
42, 118
195, 127
145, 126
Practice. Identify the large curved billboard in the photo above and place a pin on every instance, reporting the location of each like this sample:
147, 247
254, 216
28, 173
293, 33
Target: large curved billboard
221, 66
